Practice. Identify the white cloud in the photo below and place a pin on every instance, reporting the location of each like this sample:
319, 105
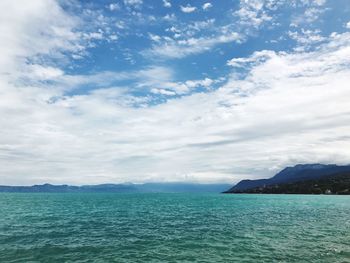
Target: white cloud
306, 38
183, 88
120, 24
200, 25
44, 73
114, 7
191, 29
166, 3
170, 17
159, 80
170, 48
156, 79
207, 82
320, 2
313, 10
188, 8
252, 13
93, 35
21, 27
288, 108
133, 2
207, 6
347, 25
155, 38
312, 14
113, 37
255, 59
163, 92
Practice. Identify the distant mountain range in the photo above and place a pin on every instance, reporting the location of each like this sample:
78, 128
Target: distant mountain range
302, 178
120, 188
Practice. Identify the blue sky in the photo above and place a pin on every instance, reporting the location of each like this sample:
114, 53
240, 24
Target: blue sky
135, 26
197, 91
135, 35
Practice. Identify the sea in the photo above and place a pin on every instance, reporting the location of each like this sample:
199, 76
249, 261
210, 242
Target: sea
162, 227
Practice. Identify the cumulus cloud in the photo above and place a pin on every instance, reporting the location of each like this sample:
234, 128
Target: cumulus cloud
20, 30
163, 92
313, 10
207, 6
288, 107
167, 3
256, 58
252, 13
188, 8
291, 107
306, 39
133, 2
160, 80
44, 73
347, 25
170, 17
170, 48
114, 6
207, 82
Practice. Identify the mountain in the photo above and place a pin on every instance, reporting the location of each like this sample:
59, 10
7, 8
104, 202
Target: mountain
49, 188
329, 184
297, 173
119, 188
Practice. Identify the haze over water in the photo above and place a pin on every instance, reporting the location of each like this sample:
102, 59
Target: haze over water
173, 227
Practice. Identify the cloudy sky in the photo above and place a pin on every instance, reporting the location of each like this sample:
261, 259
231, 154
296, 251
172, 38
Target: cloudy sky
164, 90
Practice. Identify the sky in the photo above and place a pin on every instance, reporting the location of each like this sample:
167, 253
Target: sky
167, 91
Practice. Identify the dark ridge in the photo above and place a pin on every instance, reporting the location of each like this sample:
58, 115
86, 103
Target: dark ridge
297, 173
338, 184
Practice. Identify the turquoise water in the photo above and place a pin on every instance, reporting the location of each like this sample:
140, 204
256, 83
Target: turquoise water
174, 228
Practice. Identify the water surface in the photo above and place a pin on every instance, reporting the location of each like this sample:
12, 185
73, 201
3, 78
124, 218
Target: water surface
173, 228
